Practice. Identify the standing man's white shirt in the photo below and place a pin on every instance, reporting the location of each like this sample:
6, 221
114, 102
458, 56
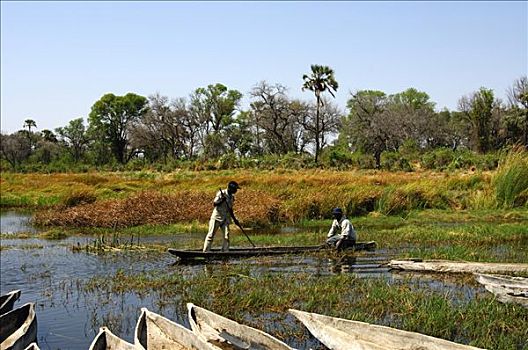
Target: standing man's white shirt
221, 211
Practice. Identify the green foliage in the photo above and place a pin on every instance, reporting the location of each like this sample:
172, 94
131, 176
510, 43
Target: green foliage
511, 179
394, 161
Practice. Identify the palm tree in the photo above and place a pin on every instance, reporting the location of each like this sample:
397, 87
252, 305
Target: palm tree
29, 123
322, 79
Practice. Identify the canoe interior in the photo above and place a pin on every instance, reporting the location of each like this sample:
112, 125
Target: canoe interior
228, 334
18, 328
8, 300
106, 340
154, 331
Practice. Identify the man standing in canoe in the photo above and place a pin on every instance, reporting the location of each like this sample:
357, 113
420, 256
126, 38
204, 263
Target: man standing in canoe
221, 216
342, 234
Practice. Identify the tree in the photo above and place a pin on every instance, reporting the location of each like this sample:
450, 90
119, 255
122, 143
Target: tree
366, 127
75, 137
518, 114
412, 117
113, 117
328, 122
477, 108
276, 119
320, 80
15, 148
29, 123
216, 106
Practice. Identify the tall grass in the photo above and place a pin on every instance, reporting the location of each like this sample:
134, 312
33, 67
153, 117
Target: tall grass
511, 179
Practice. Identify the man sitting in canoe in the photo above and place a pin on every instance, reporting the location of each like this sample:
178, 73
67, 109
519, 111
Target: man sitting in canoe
342, 234
221, 216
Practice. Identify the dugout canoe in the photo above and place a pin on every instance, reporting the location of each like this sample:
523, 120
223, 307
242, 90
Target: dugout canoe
339, 334
456, 266
8, 300
217, 254
18, 328
154, 331
32, 346
106, 340
507, 289
228, 334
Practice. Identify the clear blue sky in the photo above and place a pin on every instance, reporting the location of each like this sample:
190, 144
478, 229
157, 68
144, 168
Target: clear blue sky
58, 58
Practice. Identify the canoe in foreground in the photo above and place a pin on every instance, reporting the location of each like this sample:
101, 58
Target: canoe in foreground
154, 331
227, 334
456, 266
507, 289
106, 340
18, 328
8, 300
248, 252
339, 334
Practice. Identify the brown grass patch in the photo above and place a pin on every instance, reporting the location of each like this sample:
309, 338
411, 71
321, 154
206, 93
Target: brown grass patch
252, 207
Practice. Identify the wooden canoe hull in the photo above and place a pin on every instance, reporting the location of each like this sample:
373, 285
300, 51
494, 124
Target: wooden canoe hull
8, 300
227, 334
154, 331
507, 289
339, 334
217, 254
32, 346
106, 340
18, 328
456, 266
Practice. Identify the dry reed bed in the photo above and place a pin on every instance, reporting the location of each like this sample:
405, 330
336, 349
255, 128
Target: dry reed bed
155, 208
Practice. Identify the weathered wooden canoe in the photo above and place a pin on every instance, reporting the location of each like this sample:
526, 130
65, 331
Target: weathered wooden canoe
339, 334
32, 346
507, 289
106, 340
18, 328
8, 300
217, 254
456, 266
154, 331
228, 334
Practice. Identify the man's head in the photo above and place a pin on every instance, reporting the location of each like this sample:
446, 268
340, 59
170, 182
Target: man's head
337, 213
232, 187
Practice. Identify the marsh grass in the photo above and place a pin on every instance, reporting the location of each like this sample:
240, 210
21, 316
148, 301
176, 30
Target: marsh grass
511, 179
232, 292
266, 198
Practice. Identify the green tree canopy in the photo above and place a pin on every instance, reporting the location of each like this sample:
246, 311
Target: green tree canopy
112, 117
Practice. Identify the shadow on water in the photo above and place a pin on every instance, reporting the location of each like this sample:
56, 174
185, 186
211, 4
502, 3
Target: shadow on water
53, 276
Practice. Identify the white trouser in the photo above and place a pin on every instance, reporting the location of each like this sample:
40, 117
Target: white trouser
213, 226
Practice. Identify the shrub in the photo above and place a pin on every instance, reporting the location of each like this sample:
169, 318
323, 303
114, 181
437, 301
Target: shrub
511, 179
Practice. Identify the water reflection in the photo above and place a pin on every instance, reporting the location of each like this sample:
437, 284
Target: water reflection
15, 221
